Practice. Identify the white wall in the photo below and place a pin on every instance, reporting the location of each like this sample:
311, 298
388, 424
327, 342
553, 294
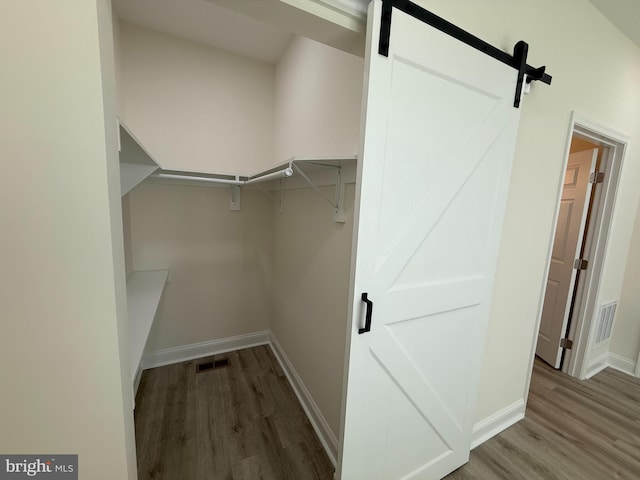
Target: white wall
565, 36
318, 94
63, 343
196, 108
311, 265
219, 261
625, 339
117, 52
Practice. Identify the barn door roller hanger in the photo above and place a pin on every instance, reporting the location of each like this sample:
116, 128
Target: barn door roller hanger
517, 61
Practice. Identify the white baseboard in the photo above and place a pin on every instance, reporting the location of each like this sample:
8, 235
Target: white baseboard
496, 423
623, 364
203, 349
597, 365
317, 420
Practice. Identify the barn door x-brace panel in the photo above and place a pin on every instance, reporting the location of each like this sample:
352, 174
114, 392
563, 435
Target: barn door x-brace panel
517, 61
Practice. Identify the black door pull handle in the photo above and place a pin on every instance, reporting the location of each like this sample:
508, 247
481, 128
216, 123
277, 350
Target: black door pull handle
367, 322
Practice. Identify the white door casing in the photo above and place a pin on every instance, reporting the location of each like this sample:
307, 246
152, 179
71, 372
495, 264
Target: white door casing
570, 229
438, 142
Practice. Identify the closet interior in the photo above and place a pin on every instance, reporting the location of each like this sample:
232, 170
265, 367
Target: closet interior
238, 175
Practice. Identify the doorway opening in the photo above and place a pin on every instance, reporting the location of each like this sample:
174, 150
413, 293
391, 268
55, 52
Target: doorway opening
568, 324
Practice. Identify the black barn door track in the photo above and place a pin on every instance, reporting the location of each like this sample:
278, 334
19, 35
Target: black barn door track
518, 60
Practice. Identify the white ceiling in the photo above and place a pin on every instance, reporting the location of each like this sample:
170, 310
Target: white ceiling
624, 14
355, 8
205, 22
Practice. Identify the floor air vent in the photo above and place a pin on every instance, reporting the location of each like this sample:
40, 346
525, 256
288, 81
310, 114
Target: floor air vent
207, 366
605, 321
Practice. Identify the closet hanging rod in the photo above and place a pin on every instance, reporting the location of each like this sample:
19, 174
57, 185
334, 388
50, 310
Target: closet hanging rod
172, 176
287, 172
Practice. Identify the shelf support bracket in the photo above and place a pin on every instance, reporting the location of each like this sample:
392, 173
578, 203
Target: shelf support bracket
313, 185
275, 200
338, 214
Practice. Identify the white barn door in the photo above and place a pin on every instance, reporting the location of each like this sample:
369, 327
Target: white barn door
439, 137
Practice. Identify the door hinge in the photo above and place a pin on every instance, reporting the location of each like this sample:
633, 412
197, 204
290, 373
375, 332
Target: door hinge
580, 264
596, 177
566, 343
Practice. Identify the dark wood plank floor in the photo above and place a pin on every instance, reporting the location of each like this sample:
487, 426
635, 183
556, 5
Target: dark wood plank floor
573, 430
237, 422
244, 422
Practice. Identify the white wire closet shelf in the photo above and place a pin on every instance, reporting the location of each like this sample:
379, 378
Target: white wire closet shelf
137, 165
277, 172
297, 172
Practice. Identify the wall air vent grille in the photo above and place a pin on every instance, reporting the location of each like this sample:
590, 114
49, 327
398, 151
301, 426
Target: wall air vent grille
212, 365
605, 321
